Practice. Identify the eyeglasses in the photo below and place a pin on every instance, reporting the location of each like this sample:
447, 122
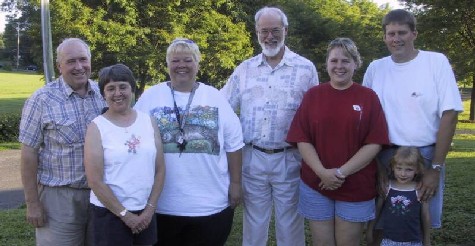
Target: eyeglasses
275, 32
183, 40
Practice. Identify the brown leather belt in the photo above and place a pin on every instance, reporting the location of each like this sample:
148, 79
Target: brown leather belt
271, 151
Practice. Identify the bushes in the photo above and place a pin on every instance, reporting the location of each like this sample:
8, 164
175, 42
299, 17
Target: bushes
9, 125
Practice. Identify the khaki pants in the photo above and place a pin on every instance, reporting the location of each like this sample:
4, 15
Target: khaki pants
67, 217
271, 182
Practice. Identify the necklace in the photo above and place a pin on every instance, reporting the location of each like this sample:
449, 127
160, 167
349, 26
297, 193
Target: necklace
181, 119
122, 122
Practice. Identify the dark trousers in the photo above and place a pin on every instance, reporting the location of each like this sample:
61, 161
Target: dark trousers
212, 230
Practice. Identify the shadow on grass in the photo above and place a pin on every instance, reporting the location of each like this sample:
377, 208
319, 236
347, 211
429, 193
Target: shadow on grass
11, 105
11, 199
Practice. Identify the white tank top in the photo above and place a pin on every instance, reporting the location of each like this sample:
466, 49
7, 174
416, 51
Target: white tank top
129, 160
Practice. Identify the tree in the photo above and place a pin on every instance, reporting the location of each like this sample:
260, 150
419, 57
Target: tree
137, 32
449, 26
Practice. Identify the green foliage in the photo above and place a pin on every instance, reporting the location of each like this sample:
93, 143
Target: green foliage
449, 27
2, 43
137, 34
9, 125
9, 145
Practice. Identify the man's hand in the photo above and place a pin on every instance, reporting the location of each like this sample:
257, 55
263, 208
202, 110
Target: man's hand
429, 184
35, 214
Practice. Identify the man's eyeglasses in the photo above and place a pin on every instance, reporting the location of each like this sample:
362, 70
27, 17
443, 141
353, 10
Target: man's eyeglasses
275, 32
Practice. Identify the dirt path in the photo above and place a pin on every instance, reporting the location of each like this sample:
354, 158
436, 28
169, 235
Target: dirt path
11, 190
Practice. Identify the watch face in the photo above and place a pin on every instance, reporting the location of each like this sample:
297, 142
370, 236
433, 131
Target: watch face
437, 167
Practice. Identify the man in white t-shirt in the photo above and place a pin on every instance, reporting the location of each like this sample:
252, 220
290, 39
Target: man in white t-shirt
419, 95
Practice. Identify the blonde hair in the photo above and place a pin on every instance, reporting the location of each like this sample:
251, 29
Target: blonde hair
184, 45
349, 47
410, 156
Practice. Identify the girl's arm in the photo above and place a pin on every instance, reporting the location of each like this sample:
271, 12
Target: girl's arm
425, 217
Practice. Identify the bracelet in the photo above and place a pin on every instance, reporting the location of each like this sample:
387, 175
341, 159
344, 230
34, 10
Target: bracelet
338, 171
150, 205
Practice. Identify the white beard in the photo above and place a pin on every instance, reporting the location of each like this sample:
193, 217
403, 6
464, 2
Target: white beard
271, 52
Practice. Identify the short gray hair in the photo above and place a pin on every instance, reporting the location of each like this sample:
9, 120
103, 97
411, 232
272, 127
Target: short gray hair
272, 10
67, 41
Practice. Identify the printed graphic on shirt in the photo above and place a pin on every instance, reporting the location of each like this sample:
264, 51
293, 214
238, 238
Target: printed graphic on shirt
133, 144
200, 131
400, 205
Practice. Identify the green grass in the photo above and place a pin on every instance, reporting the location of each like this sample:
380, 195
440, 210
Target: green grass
5, 146
459, 208
15, 88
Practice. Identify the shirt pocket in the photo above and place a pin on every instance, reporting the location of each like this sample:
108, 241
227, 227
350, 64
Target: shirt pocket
68, 131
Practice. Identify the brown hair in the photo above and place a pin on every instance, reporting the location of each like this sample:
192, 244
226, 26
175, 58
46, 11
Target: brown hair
399, 16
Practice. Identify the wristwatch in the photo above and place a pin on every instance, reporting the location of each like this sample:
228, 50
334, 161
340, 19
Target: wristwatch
437, 166
123, 212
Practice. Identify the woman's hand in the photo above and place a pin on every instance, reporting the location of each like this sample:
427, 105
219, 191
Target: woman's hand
330, 179
132, 221
145, 218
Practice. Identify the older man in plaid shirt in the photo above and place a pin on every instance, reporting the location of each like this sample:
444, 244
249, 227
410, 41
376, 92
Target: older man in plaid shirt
52, 130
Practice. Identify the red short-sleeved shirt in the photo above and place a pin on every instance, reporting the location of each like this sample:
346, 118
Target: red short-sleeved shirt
338, 123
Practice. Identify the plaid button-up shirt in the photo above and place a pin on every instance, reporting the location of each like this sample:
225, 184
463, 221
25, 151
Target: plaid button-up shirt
54, 121
267, 98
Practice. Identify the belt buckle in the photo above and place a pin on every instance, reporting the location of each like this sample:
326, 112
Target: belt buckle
268, 151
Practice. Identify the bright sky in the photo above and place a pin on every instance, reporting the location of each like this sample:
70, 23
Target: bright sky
2, 21
392, 3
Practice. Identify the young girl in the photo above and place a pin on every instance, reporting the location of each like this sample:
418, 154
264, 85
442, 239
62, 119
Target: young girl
404, 219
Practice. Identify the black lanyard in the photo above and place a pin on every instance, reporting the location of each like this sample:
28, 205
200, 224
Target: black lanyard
180, 138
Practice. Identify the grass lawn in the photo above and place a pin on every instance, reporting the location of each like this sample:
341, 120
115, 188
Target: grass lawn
16, 87
459, 208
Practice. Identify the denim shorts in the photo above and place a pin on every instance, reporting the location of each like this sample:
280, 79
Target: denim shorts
388, 242
437, 201
315, 206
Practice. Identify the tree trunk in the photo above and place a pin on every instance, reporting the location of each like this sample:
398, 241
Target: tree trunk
472, 101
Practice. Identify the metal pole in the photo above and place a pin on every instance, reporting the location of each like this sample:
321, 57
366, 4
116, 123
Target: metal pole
17, 45
47, 43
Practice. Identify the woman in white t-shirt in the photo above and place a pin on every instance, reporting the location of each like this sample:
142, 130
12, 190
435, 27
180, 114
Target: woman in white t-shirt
202, 141
124, 165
